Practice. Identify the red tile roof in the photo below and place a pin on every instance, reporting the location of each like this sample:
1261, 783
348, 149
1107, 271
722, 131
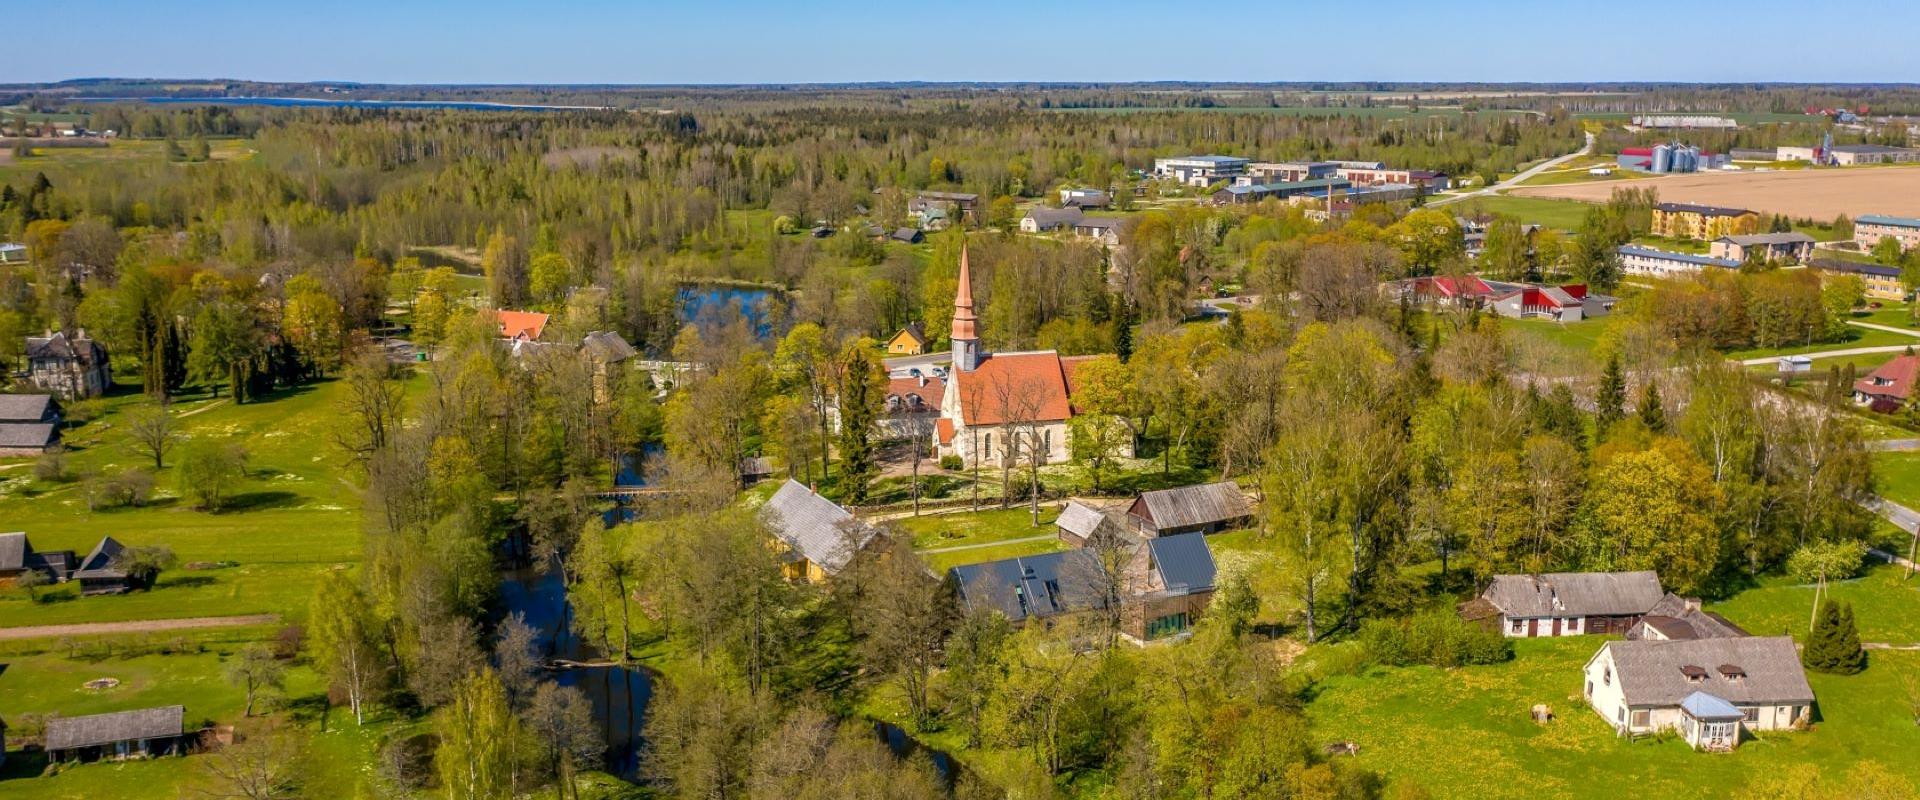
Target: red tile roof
944, 427
930, 392
1893, 379
1005, 382
518, 324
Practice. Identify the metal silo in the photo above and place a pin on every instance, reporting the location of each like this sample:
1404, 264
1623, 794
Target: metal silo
1662, 158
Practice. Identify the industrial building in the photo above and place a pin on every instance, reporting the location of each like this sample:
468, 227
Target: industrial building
1665, 158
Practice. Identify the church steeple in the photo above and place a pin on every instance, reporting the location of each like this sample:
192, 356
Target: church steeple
966, 335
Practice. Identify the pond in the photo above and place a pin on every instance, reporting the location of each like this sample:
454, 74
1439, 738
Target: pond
708, 305
619, 694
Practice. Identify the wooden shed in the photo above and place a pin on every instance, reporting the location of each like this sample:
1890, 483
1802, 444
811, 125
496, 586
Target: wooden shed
1207, 508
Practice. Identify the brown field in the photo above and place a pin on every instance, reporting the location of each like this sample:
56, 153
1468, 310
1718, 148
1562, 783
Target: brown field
1817, 194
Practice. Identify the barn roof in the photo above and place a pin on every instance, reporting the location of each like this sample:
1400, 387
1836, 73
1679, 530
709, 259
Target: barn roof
1575, 594
1751, 670
1184, 561
1080, 519
26, 407
814, 526
28, 434
14, 548
103, 562
1204, 504
66, 733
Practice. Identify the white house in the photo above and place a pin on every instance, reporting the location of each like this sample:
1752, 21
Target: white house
1706, 690
1566, 603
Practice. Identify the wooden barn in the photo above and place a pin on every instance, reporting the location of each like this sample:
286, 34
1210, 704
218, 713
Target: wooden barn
120, 735
1207, 508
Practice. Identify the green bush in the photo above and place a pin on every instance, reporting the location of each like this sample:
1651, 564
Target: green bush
1434, 638
951, 463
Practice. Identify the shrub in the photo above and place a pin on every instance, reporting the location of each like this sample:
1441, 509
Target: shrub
51, 467
951, 463
129, 488
1435, 638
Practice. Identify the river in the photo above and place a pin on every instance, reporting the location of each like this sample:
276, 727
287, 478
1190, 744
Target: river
619, 694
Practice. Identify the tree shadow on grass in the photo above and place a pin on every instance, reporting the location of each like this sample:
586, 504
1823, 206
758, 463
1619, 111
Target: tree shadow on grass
258, 501
310, 709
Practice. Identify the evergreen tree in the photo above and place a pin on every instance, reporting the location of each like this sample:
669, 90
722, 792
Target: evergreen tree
1123, 331
861, 397
1652, 415
1610, 400
1834, 644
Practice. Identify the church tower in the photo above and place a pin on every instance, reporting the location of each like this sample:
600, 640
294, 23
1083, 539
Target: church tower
966, 334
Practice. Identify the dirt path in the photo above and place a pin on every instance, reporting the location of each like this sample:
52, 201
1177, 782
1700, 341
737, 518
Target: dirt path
134, 626
957, 548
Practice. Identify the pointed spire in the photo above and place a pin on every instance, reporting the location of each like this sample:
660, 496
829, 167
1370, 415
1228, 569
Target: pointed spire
963, 318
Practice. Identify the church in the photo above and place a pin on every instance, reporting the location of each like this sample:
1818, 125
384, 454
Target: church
1002, 406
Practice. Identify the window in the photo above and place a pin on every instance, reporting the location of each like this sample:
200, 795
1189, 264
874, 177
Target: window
1606, 677
1752, 712
1167, 625
1640, 719
1516, 626
1589, 688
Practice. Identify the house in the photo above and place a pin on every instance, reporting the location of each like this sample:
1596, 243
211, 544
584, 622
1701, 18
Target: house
1869, 229
908, 235
1206, 508
966, 204
911, 340
1105, 229
1881, 282
1653, 263
819, 537
912, 406
13, 253
1084, 198
1570, 303
1706, 690
103, 571
1002, 407
1462, 292
1677, 618
1566, 603
71, 367
605, 351
521, 326
1162, 586
120, 735
1691, 221
17, 556
1783, 248
1199, 170
1888, 387
1041, 219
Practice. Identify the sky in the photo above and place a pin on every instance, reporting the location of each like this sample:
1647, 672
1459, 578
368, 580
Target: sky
826, 41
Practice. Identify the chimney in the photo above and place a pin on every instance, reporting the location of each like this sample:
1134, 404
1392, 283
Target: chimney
1693, 604
923, 380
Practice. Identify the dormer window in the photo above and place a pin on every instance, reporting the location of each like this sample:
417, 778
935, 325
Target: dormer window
1694, 674
1732, 672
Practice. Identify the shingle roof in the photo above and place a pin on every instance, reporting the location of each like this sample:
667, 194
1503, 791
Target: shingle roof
1567, 594
1650, 672
26, 407
1193, 505
103, 562
1080, 519
57, 345
66, 733
13, 551
1184, 561
1898, 375
28, 434
814, 526
1677, 617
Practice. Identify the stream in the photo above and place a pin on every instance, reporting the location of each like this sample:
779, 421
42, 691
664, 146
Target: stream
619, 694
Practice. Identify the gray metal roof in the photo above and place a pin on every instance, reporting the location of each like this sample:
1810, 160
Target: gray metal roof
1193, 505
26, 408
65, 733
13, 551
1571, 594
1701, 705
1650, 673
1184, 561
1788, 237
1080, 519
1050, 217
28, 434
814, 526
1035, 586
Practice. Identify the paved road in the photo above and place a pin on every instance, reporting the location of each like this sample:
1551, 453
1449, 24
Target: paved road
1894, 445
1516, 180
1851, 351
134, 626
1888, 328
897, 367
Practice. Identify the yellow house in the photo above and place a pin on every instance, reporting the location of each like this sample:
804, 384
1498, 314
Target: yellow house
1689, 221
816, 536
1880, 281
910, 341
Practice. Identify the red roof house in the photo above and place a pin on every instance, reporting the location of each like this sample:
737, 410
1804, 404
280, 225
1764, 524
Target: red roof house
1888, 388
526, 325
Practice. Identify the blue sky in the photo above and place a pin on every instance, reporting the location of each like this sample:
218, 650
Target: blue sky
752, 41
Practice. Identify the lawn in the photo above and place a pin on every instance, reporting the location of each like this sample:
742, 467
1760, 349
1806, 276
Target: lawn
1855, 337
1581, 337
966, 528
1896, 476
1466, 732
1883, 605
1562, 214
297, 514
942, 561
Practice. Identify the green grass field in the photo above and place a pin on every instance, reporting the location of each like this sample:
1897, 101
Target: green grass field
52, 160
1856, 337
296, 516
1883, 605
1582, 336
1561, 214
1897, 477
966, 528
1466, 733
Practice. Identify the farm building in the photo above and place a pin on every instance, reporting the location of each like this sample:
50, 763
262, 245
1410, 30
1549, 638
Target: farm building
820, 538
119, 735
1082, 525
1677, 618
29, 424
104, 571
1707, 690
1566, 603
1207, 508
18, 556
1665, 158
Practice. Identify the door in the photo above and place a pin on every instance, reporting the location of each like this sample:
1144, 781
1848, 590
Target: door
1556, 626
1533, 628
